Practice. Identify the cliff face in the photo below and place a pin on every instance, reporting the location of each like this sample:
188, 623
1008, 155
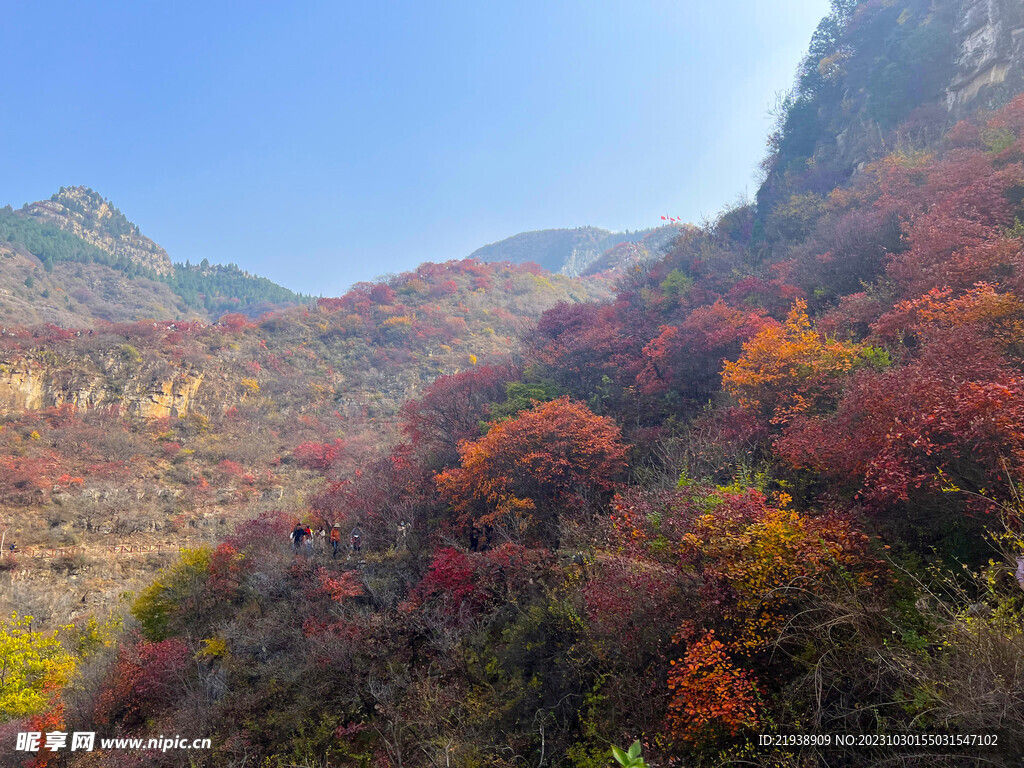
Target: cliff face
85, 214
990, 59
28, 386
882, 75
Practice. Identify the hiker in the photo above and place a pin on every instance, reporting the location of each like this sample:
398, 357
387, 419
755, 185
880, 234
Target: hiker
357, 539
403, 534
297, 536
309, 540
580, 561
321, 539
335, 541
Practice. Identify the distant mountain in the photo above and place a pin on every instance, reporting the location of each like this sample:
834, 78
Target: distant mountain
573, 251
650, 247
76, 258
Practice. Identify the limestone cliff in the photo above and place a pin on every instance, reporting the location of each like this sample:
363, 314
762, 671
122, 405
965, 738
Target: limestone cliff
990, 58
885, 76
29, 385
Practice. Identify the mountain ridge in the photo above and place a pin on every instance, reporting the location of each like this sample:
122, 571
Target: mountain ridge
75, 258
572, 251
86, 214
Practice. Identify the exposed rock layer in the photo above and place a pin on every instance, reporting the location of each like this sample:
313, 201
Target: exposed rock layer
85, 214
990, 60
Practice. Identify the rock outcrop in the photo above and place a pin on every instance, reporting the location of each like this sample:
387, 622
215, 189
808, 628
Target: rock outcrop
990, 60
86, 214
28, 386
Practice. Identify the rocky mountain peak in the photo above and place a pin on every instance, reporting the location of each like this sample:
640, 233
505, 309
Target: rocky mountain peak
86, 214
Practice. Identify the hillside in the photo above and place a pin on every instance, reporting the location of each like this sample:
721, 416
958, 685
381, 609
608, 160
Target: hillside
163, 433
581, 250
75, 259
879, 78
769, 487
74, 294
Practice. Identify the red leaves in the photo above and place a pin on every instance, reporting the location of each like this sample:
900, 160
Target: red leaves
464, 582
710, 694
900, 432
955, 211
953, 410
146, 678
225, 571
235, 322
53, 719
382, 294
554, 456
622, 594
267, 530
452, 577
451, 408
681, 356
579, 344
339, 588
318, 456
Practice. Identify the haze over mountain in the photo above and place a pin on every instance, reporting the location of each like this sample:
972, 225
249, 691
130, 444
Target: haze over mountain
76, 258
322, 146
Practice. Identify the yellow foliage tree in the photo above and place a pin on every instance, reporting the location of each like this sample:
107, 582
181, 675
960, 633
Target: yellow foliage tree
792, 369
31, 665
768, 558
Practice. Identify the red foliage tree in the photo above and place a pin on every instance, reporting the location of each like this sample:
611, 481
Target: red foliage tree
687, 358
318, 456
463, 583
527, 472
582, 345
146, 678
339, 588
951, 414
451, 409
711, 695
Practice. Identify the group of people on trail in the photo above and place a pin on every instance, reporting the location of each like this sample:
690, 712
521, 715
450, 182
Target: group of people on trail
303, 538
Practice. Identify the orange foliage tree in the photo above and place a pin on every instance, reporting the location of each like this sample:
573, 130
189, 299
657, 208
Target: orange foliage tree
527, 471
792, 370
710, 695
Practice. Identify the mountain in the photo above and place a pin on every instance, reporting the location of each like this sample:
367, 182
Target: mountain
79, 295
880, 77
574, 251
76, 259
191, 424
770, 487
87, 215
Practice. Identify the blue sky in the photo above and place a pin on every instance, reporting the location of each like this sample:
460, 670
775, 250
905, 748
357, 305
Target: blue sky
322, 143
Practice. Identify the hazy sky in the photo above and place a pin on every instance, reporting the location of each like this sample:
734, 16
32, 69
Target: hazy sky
321, 143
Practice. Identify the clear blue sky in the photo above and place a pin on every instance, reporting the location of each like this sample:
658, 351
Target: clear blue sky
321, 143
